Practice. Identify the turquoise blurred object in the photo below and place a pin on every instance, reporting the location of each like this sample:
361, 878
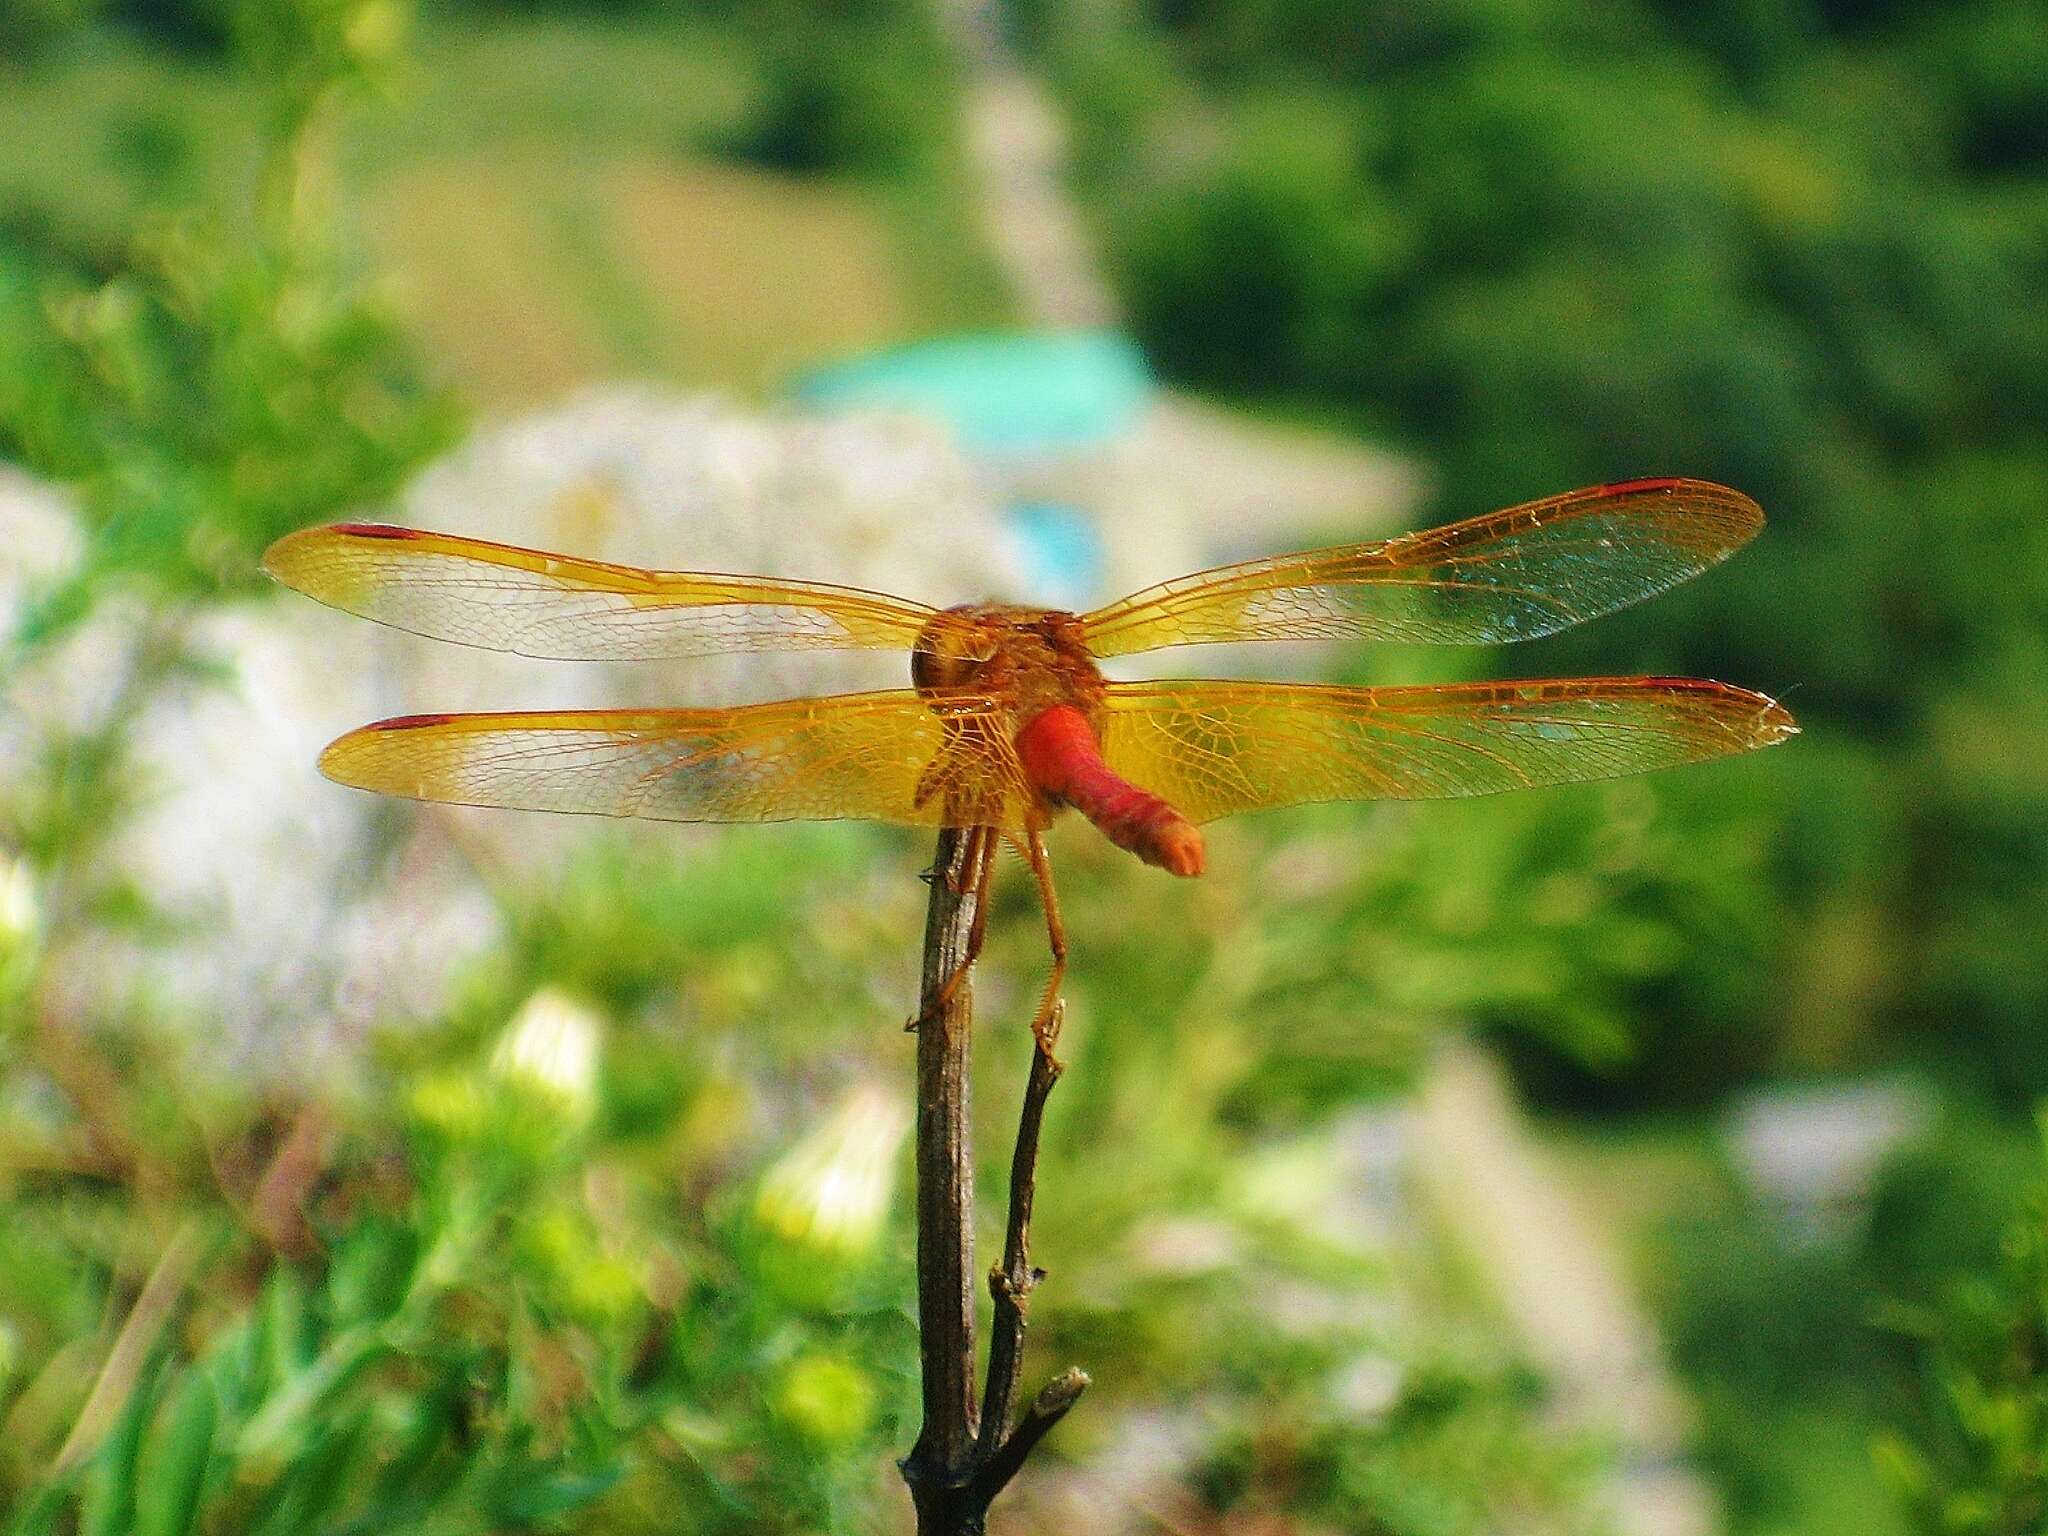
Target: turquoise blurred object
1002, 395
1059, 552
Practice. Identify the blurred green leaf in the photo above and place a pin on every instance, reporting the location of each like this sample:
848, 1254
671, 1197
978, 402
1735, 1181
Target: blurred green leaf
108, 1506
173, 1464
529, 1495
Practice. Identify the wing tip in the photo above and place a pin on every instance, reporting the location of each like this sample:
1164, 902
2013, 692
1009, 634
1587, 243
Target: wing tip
1774, 723
357, 759
287, 559
337, 756
1740, 511
279, 559
1764, 721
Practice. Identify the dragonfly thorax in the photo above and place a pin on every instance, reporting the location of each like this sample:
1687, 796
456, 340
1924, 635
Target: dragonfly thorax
1024, 659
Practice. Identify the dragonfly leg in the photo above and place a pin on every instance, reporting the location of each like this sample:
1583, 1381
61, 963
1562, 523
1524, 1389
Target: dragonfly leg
963, 882
977, 871
1045, 1024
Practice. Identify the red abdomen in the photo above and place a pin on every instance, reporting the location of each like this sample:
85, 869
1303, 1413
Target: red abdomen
1062, 758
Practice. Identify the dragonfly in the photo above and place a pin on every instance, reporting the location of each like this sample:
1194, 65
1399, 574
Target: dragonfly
1009, 718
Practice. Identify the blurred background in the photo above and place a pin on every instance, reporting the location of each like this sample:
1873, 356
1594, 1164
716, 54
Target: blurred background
1652, 1157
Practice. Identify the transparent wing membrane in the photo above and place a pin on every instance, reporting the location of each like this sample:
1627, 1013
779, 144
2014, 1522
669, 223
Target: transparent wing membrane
1513, 575
1217, 748
875, 756
503, 598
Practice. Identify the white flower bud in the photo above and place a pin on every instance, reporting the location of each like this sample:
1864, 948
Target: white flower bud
550, 1048
21, 911
831, 1191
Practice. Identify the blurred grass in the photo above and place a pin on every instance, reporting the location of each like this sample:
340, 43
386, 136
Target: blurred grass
529, 270
615, 83
93, 141
693, 273
545, 199
470, 246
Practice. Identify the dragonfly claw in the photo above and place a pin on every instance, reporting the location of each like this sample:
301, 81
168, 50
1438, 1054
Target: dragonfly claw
1045, 1030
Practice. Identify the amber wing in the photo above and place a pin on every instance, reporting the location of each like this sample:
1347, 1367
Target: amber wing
1216, 748
504, 598
875, 756
1513, 575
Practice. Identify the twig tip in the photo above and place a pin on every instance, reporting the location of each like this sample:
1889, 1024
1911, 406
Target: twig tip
1061, 1393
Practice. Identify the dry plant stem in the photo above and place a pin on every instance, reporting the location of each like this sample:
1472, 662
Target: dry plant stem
1012, 1282
130, 1352
945, 1168
965, 1455
277, 1209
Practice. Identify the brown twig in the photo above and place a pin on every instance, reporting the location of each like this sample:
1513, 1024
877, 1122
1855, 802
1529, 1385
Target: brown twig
965, 1456
1011, 1283
945, 1174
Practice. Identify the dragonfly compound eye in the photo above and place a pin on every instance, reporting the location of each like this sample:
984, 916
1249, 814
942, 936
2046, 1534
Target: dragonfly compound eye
951, 653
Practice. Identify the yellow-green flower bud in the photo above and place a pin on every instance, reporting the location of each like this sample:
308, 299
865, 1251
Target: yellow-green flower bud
449, 1102
826, 1399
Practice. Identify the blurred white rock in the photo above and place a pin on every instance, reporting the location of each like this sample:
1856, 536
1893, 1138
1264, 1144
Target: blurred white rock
633, 475
75, 680
302, 918
1812, 1152
41, 540
303, 911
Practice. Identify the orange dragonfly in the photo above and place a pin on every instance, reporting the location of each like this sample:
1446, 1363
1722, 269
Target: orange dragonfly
1008, 717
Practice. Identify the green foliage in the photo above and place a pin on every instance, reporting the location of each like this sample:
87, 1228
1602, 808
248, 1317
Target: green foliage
224, 382
494, 1317
1804, 1341
1770, 1331
864, 88
473, 1350
1269, 268
1973, 1458
195, 426
27, 27
1448, 1450
574, 1262
1793, 249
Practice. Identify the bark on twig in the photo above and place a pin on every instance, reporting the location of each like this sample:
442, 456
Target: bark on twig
945, 1172
1011, 1283
965, 1455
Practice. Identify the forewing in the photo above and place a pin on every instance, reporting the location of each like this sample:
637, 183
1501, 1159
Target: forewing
527, 601
1513, 575
1216, 748
873, 756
